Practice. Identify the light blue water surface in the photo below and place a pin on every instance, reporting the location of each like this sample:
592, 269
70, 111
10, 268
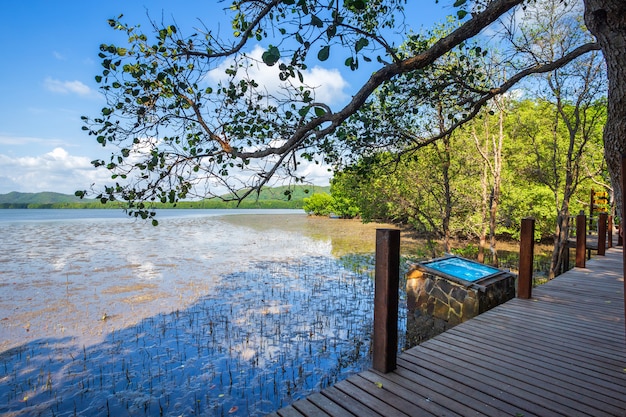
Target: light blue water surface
462, 268
206, 314
46, 215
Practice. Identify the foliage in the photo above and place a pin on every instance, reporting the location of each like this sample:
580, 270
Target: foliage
408, 189
330, 205
318, 204
185, 118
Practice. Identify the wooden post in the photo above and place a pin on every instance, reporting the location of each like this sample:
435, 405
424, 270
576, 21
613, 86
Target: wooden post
565, 264
581, 240
609, 231
622, 223
387, 279
602, 221
526, 252
591, 209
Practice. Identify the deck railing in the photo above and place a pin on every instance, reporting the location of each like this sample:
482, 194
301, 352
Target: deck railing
387, 279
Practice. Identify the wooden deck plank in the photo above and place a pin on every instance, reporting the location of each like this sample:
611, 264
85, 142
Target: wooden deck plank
479, 392
356, 407
439, 395
289, 411
521, 382
542, 376
561, 353
309, 409
469, 379
372, 402
329, 406
535, 361
588, 367
388, 397
508, 331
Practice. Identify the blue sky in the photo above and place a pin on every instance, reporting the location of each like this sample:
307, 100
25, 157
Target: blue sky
50, 51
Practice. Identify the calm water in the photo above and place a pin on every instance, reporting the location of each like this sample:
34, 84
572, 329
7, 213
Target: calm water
206, 314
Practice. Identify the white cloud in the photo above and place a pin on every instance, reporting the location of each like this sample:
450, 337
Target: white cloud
53, 171
329, 85
68, 87
58, 55
317, 174
26, 140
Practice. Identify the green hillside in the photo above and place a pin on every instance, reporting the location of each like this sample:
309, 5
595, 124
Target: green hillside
37, 198
268, 198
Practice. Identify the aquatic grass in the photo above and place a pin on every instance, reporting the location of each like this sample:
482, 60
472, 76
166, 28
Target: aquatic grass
260, 341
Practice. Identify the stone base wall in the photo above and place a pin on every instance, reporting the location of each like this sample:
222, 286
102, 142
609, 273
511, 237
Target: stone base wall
436, 304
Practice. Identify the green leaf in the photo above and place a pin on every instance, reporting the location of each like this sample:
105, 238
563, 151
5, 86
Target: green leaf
331, 31
319, 112
271, 56
316, 21
355, 5
459, 3
361, 43
461, 14
323, 54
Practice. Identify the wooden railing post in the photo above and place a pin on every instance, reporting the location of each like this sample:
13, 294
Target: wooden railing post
622, 223
609, 232
387, 280
526, 252
581, 240
602, 220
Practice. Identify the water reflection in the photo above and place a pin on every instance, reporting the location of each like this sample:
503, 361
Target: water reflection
201, 315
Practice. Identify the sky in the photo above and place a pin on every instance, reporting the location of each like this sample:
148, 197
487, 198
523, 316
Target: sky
50, 58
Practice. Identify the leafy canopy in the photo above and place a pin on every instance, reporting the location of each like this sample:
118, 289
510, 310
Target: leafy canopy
177, 130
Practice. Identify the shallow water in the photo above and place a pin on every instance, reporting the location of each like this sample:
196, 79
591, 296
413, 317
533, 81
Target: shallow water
202, 315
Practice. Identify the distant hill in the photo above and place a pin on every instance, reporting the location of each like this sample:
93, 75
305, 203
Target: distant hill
268, 198
38, 198
297, 192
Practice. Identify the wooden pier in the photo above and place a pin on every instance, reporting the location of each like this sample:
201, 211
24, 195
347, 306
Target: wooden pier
560, 353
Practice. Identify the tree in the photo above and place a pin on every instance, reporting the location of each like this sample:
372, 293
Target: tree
489, 147
606, 20
173, 134
576, 92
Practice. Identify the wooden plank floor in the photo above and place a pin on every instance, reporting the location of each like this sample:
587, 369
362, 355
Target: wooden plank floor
562, 353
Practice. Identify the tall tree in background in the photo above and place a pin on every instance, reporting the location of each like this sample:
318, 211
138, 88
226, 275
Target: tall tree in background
489, 145
575, 90
172, 134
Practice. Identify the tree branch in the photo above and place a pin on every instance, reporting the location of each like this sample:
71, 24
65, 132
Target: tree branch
535, 69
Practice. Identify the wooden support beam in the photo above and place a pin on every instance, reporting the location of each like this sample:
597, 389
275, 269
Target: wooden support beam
526, 252
609, 231
387, 281
622, 224
602, 223
581, 240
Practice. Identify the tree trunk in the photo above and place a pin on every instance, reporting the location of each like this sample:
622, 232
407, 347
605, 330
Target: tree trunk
606, 19
483, 215
561, 236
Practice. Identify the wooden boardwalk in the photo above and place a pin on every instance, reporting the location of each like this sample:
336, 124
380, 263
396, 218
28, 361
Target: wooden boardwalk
561, 353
